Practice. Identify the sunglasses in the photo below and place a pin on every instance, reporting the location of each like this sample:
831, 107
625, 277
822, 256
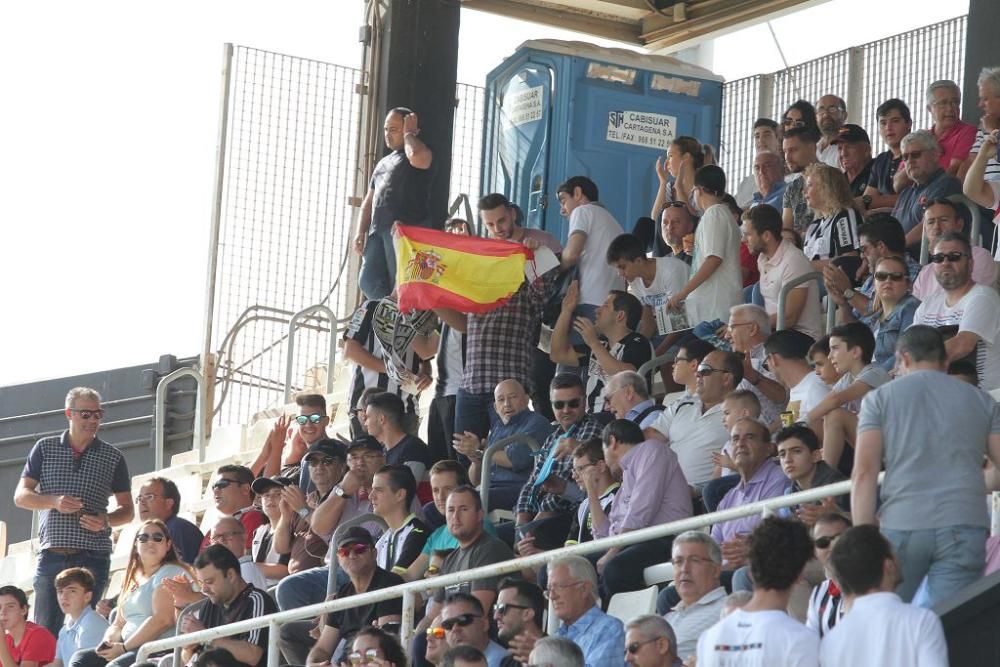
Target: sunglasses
357, 549
705, 370
825, 541
461, 620
436, 631
501, 608
142, 538
952, 257
572, 404
88, 414
912, 155
368, 656
894, 276
301, 420
635, 646
223, 483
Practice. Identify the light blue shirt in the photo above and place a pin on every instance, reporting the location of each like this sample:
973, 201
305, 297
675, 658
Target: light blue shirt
85, 632
494, 654
599, 636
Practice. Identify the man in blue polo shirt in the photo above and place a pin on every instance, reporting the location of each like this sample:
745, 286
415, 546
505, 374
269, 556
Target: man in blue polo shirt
68, 479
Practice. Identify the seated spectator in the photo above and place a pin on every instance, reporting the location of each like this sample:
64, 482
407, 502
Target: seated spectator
374, 644
84, 628
519, 616
159, 499
627, 397
831, 113
880, 629
982, 181
653, 492
697, 562
465, 622
735, 600
760, 478
836, 416
216, 657
715, 284
272, 565
748, 328
786, 357
894, 123
988, 83
234, 498
894, 308
693, 428
943, 216
801, 461
738, 404
592, 474
799, 147
819, 355
834, 231
780, 262
650, 642
769, 180
282, 455
231, 534
766, 139
922, 468
356, 556
611, 337
392, 495
922, 154
558, 652
511, 466
677, 230
974, 309
437, 645
25, 644
463, 655
386, 423
826, 603
855, 157
684, 370
944, 104
573, 593
762, 632
145, 608
230, 599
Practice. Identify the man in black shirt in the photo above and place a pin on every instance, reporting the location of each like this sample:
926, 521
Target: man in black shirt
230, 599
894, 123
855, 154
385, 423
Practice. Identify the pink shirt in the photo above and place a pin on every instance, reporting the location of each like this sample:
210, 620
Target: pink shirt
956, 142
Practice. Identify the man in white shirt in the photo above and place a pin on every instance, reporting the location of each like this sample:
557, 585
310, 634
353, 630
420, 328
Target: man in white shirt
762, 632
697, 563
879, 629
787, 351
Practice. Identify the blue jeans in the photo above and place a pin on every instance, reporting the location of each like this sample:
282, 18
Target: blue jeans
378, 264
307, 587
950, 559
475, 413
50, 564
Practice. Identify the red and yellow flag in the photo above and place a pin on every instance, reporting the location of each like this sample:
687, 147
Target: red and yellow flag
466, 273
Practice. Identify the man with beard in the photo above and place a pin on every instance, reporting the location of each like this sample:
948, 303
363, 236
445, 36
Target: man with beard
799, 146
831, 113
518, 615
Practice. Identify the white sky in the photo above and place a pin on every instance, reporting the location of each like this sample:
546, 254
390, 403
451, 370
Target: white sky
110, 115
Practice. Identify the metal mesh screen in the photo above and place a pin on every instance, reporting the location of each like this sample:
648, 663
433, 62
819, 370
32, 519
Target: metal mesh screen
739, 107
467, 142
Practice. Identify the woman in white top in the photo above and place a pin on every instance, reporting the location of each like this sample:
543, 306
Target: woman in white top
834, 231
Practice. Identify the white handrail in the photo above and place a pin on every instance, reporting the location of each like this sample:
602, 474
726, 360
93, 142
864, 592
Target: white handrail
293, 325
407, 590
160, 413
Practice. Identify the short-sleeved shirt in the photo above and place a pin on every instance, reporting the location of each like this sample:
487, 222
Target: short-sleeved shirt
263, 550
671, 276
992, 172
442, 539
933, 477
487, 550
93, 475
136, 605
717, 236
795, 200
860, 182
37, 645
450, 362
633, 349
582, 528
349, 621
693, 435
979, 312
361, 330
410, 448
186, 537
758, 638
808, 392
984, 272
786, 264
872, 375
401, 192
597, 277
833, 235
85, 632
689, 621
884, 168
249, 603
909, 209
395, 550
956, 143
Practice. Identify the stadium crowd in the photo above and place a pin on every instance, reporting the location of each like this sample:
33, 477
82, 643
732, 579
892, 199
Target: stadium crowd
764, 402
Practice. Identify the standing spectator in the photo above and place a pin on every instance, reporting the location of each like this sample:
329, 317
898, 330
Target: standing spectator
942, 541
234, 498
573, 594
650, 642
715, 284
894, 123
465, 622
826, 603
627, 397
68, 479
943, 216
762, 632
231, 534
684, 157
697, 562
944, 104
831, 113
834, 231
392, 494
519, 617
159, 499
921, 153
25, 643
271, 564
385, 423
880, 629
769, 179
399, 191
84, 628
855, 150
447, 378
787, 352
799, 146
974, 309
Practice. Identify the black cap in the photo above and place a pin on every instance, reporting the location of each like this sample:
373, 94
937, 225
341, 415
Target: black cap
365, 442
327, 447
262, 485
355, 535
850, 134
712, 179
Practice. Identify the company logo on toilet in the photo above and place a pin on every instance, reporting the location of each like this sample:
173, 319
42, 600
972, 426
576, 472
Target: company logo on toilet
641, 128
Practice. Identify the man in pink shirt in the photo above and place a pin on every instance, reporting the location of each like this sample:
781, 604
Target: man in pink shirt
943, 216
944, 103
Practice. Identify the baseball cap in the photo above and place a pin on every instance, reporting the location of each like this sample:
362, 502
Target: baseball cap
327, 447
355, 535
365, 442
262, 485
851, 133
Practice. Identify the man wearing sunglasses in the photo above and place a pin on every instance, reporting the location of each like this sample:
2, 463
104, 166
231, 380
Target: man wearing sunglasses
921, 152
234, 498
356, 556
943, 216
282, 455
519, 617
465, 622
650, 642
826, 602
68, 479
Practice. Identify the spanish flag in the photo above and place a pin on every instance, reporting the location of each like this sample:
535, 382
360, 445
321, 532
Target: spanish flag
466, 273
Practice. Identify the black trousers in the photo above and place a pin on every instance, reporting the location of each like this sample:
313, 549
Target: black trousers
441, 428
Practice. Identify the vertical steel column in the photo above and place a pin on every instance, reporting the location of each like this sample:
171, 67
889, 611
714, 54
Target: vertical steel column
856, 84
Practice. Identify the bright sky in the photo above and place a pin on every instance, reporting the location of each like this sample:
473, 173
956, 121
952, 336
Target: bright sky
110, 120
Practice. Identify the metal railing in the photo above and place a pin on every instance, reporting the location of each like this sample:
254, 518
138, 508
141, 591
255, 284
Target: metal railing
293, 324
160, 413
975, 226
831, 307
409, 591
484, 480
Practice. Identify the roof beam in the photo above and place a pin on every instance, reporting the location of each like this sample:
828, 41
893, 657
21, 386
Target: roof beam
601, 27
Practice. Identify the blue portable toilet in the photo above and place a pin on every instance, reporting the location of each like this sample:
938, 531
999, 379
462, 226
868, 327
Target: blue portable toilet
557, 109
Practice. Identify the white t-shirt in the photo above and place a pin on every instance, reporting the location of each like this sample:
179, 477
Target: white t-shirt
880, 629
979, 312
597, 277
717, 236
830, 155
671, 276
759, 639
808, 392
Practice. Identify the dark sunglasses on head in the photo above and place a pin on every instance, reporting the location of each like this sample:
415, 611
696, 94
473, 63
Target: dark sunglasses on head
312, 419
572, 404
502, 608
894, 276
939, 257
142, 538
223, 483
913, 155
635, 646
825, 541
461, 620
89, 414
356, 549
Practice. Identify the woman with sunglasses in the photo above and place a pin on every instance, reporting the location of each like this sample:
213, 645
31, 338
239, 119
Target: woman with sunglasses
801, 114
893, 308
684, 157
145, 608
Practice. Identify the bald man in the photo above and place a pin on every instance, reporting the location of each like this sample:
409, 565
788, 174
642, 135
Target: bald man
512, 465
230, 533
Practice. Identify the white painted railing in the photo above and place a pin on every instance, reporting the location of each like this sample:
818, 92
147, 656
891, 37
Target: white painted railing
410, 590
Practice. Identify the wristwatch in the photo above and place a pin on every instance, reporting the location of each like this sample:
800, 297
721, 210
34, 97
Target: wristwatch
338, 491
849, 294
867, 201
302, 512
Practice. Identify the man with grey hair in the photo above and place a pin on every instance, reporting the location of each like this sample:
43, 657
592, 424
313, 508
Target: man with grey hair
748, 328
68, 479
831, 114
921, 153
944, 104
627, 394
573, 595
559, 652
697, 561
650, 642
987, 165
769, 179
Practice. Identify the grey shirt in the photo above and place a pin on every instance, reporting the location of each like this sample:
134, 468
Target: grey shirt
933, 460
487, 550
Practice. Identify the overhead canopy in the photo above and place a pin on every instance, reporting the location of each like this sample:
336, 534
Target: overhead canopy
658, 25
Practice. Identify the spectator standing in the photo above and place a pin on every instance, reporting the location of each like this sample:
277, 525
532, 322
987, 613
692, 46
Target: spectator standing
677, 230
831, 114
68, 478
697, 562
386, 423
894, 123
84, 628
932, 508
799, 147
159, 499
685, 156
944, 104
922, 154
573, 594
